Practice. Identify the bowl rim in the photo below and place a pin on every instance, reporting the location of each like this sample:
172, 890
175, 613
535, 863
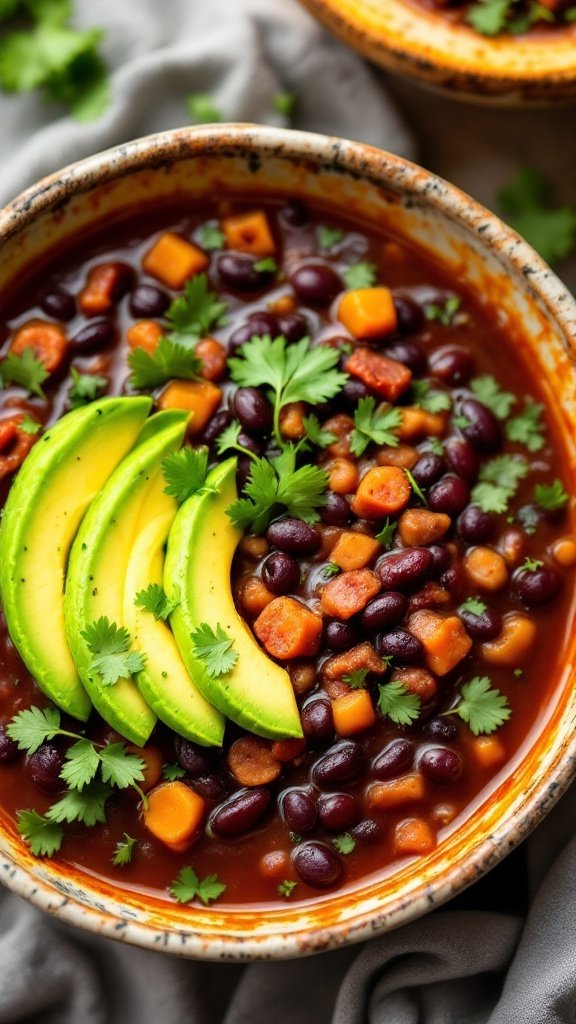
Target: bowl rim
378, 168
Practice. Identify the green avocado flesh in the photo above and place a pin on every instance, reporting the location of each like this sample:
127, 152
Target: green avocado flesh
109, 539
64, 471
257, 693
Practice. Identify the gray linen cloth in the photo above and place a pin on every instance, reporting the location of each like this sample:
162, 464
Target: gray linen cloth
503, 953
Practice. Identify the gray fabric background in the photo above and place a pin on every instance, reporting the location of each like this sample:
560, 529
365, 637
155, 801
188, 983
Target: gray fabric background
503, 953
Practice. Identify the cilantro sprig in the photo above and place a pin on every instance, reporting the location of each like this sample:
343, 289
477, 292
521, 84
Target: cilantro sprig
286, 887
168, 360
215, 648
26, 370
488, 391
188, 886
374, 424
430, 398
444, 312
360, 275
155, 600
86, 387
527, 428
185, 472
397, 703
195, 313
124, 851
315, 433
276, 484
499, 480
551, 497
483, 708
328, 237
110, 646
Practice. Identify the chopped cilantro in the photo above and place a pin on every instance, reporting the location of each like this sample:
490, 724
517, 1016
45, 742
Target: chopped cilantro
185, 472
527, 203
488, 391
210, 236
284, 103
44, 837
356, 679
188, 886
386, 535
275, 485
360, 275
498, 482
110, 646
202, 109
171, 772
321, 438
529, 517
489, 16
214, 647
374, 424
154, 600
518, 672
436, 444
29, 425
195, 313
551, 497
345, 843
85, 387
330, 569
527, 428
25, 370
266, 265
473, 605
169, 360
397, 703
444, 313
430, 398
286, 888
295, 837
481, 707
531, 564
329, 237
124, 850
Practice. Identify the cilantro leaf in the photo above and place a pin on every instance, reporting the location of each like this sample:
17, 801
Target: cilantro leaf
397, 703
267, 264
29, 425
498, 482
489, 393
527, 203
356, 679
185, 472
110, 645
286, 887
360, 275
284, 103
124, 850
444, 313
81, 764
374, 424
551, 497
386, 535
529, 518
430, 398
530, 564
26, 369
171, 772
481, 707
214, 647
489, 16
436, 445
328, 237
527, 428
473, 605
275, 484
44, 837
187, 886
85, 387
120, 767
345, 843
321, 438
202, 109
32, 727
330, 569
195, 313
210, 236
154, 600
415, 487
88, 806
168, 360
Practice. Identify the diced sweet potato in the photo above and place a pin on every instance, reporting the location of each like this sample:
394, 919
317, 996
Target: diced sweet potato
292, 421
254, 596
342, 426
288, 750
417, 680
213, 356
145, 334
395, 792
488, 751
419, 526
348, 593
342, 476
353, 712
417, 423
368, 312
485, 568
354, 550
283, 305
249, 232
383, 491
252, 762
363, 656
15, 444
172, 260
445, 640
200, 397
48, 342
403, 456
432, 595
174, 814
383, 375
413, 836
288, 629
153, 761
513, 643
105, 284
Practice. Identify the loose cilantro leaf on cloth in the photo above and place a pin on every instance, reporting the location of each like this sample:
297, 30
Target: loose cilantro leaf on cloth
26, 370
32, 727
314, 432
202, 109
429, 398
490, 394
154, 600
527, 204
481, 707
168, 360
345, 843
124, 850
445, 313
498, 482
210, 236
81, 764
214, 647
44, 837
397, 703
286, 887
171, 772
551, 497
374, 424
386, 535
294, 373
195, 313
277, 484
110, 645
185, 472
527, 427
356, 679
30, 426
473, 605
489, 16
87, 806
187, 886
328, 237
86, 387
360, 275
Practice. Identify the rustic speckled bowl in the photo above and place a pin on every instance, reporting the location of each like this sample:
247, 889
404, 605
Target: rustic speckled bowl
406, 38
541, 315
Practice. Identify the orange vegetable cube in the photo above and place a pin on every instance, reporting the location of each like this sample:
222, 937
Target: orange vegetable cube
485, 568
417, 423
153, 762
145, 334
174, 814
292, 421
251, 761
383, 491
348, 593
288, 629
403, 456
363, 656
254, 596
353, 712
564, 552
47, 341
368, 312
354, 550
413, 836
172, 260
385, 376
420, 526
249, 232
213, 356
445, 641
106, 283
395, 792
488, 751
288, 750
513, 643
201, 397
342, 476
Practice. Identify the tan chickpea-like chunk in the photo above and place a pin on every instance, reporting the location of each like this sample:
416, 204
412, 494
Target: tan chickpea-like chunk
515, 640
485, 568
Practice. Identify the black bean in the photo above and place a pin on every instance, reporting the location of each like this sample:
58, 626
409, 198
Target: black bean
8, 747
537, 587
45, 765
211, 787
484, 626
295, 213
317, 720
294, 326
338, 811
409, 354
441, 729
450, 495
401, 570
336, 511
440, 557
96, 335
317, 864
239, 813
215, 426
354, 390
281, 573
191, 757
386, 610
462, 459
299, 810
475, 526
367, 831
395, 758
339, 636
243, 472
58, 303
428, 469
238, 270
483, 429
294, 535
441, 764
317, 283
342, 762
148, 301
257, 325
249, 442
409, 314
452, 364
253, 409
453, 580
399, 644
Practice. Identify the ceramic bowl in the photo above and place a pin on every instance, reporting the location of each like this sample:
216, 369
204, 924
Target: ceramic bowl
479, 249
424, 44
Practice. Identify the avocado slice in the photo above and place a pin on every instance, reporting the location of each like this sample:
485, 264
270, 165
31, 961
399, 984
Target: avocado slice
257, 693
99, 559
63, 472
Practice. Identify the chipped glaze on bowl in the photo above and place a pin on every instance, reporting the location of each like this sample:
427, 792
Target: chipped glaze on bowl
538, 68
541, 318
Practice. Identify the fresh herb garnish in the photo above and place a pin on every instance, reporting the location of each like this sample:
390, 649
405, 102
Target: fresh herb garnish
210, 236
436, 445
329, 237
295, 837
286, 888
444, 313
483, 709
266, 265
528, 517
531, 564
155, 601
356, 679
124, 850
202, 109
44, 837
30, 426
360, 275
527, 427
34, 726
473, 605
88, 806
26, 370
374, 424
284, 103
429, 398
314, 432
527, 204
386, 535
331, 569
166, 362
345, 843
185, 472
498, 482
489, 16
277, 484
214, 647
551, 497
171, 772
462, 422
489, 392
86, 387
518, 673
188, 886
110, 646
415, 487
397, 703
195, 313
